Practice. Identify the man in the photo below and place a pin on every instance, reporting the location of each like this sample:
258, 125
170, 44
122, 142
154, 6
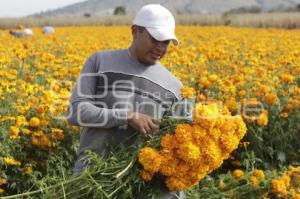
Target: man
123, 91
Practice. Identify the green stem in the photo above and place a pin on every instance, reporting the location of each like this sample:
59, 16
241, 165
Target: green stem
41, 190
63, 189
77, 190
126, 168
98, 185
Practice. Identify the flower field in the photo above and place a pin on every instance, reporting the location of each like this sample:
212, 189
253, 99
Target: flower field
253, 73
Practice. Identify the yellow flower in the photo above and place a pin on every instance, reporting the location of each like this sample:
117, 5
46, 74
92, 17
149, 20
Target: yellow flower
44, 122
198, 133
11, 161
213, 78
231, 105
295, 195
286, 179
188, 92
183, 133
205, 82
34, 122
242, 93
262, 119
2, 190
188, 152
206, 115
57, 134
238, 174
254, 181
26, 131
201, 97
271, 99
278, 187
21, 121
28, 170
287, 78
258, 174
14, 132
228, 142
212, 154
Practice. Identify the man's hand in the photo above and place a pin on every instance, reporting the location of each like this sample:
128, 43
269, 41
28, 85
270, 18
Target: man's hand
142, 123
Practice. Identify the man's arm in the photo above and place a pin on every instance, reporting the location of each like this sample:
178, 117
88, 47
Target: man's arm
82, 109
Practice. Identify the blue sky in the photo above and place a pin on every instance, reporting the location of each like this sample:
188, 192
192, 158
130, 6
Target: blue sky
18, 8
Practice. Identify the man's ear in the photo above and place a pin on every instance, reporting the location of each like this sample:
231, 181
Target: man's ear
134, 30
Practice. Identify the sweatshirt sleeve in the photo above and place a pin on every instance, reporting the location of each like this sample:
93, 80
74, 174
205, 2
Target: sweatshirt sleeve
82, 109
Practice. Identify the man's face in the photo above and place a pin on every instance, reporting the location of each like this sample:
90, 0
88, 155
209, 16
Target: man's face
148, 49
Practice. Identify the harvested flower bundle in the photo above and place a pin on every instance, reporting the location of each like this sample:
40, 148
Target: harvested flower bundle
179, 156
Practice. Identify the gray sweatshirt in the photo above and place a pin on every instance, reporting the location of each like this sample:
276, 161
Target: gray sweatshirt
111, 84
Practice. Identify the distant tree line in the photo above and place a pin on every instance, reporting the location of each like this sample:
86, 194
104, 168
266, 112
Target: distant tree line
256, 9
119, 10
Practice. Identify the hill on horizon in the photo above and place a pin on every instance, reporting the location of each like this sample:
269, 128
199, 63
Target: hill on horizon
177, 7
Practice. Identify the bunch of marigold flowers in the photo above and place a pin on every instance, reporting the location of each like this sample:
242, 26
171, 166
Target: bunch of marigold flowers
195, 149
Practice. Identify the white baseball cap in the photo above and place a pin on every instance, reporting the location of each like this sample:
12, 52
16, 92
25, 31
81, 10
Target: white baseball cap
158, 21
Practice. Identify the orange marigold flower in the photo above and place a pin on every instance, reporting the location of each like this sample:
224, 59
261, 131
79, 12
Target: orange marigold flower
26, 131
34, 122
271, 99
44, 122
289, 107
57, 134
188, 92
188, 152
146, 175
206, 115
169, 163
175, 184
262, 119
238, 174
28, 170
150, 159
258, 174
254, 181
231, 105
278, 187
201, 97
21, 121
284, 114
168, 141
213, 78
286, 179
205, 82
14, 132
287, 78
183, 133
198, 133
